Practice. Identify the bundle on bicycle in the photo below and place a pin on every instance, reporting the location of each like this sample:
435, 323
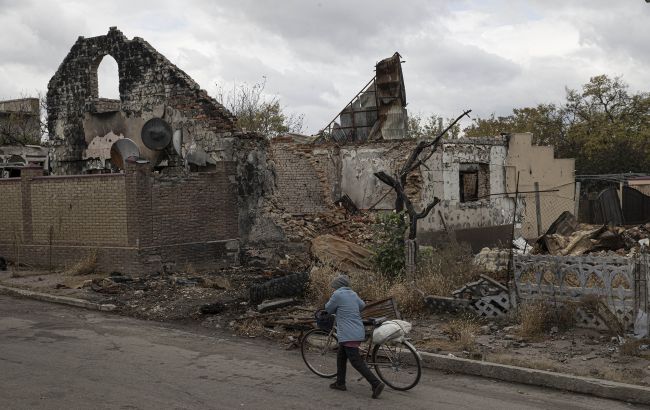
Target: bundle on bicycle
383, 346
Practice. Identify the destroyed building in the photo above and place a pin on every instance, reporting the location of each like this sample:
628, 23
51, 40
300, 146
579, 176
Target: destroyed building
163, 178
149, 215
20, 130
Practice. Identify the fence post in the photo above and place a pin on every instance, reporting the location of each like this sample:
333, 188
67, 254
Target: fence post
411, 249
538, 209
576, 197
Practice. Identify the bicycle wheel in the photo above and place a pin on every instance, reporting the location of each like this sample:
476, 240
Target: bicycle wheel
319, 350
398, 365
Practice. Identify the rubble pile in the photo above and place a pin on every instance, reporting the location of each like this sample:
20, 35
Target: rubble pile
567, 237
356, 228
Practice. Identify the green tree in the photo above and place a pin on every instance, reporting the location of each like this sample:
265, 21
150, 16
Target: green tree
603, 126
431, 126
259, 112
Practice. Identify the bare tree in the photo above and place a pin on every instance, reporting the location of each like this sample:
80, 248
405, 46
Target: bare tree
258, 112
419, 156
21, 121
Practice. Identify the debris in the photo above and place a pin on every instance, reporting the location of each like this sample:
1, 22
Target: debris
346, 202
566, 237
3, 263
329, 248
212, 308
282, 287
218, 282
275, 304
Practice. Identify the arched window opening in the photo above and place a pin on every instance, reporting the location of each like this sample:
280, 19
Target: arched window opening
108, 79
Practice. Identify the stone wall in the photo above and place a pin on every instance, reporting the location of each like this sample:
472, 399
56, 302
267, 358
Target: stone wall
135, 222
150, 86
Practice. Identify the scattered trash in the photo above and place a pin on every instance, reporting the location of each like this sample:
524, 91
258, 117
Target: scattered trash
275, 304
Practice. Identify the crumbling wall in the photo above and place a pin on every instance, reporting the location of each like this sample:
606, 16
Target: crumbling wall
300, 188
150, 86
481, 222
359, 164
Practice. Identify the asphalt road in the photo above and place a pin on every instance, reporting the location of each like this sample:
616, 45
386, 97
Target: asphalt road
54, 357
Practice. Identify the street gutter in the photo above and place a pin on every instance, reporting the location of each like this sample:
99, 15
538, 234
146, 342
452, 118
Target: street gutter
596, 387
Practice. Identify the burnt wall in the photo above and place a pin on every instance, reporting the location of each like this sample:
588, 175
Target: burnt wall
150, 86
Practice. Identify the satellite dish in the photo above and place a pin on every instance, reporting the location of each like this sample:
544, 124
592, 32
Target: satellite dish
156, 134
123, 149
177, 141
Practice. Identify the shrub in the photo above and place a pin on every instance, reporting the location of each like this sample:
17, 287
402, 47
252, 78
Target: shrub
389, 231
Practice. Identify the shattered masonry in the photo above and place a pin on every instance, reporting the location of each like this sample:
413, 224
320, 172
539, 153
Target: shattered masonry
150, 86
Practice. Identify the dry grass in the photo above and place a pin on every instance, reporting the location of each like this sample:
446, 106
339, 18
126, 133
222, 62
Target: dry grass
250, 328
463, 331
538, 317
531, 363
440, 272
85, 266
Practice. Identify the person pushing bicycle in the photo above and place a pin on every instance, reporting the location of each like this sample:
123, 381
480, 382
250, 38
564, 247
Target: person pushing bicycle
347, 306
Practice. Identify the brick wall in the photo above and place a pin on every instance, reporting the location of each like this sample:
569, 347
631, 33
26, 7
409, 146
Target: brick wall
88, 210
11, 218
135, 222
300, 188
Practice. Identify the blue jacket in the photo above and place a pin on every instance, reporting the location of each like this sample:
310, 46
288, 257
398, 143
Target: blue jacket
346, 305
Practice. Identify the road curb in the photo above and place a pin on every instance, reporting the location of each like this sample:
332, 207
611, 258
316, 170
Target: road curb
63, 300
561, 381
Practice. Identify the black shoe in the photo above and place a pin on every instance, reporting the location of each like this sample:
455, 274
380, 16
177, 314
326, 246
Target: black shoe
376, 391
337, 386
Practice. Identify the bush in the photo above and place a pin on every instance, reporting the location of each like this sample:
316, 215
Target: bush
388, 246
538, 317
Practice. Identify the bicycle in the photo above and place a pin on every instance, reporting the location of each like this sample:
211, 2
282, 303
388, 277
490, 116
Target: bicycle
396, 363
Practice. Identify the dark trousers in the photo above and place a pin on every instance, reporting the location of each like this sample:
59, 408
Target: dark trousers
352, 353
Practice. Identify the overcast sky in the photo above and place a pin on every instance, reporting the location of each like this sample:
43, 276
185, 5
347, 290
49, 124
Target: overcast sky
487, 55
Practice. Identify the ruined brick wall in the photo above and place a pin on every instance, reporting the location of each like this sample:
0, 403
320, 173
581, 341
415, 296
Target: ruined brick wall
150, 86
300, 188
135, 222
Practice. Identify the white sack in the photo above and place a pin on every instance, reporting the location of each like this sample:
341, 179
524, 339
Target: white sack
392, 330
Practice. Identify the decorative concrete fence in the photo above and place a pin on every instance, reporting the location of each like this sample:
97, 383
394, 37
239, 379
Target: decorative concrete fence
620, 283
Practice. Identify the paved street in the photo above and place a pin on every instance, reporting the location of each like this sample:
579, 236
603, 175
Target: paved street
54, 357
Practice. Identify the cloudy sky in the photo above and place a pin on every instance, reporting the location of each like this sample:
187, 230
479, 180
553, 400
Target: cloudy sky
487, 55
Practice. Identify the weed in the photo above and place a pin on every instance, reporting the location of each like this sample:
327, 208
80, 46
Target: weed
463, 332
85, 266
539, 316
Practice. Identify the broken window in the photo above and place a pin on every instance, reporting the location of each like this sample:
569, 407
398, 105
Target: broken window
474, 181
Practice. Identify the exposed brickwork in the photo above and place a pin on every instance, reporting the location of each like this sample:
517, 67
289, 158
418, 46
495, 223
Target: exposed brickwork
150, 85
300, 189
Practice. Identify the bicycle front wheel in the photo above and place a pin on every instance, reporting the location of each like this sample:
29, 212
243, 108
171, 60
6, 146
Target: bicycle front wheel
319, 350
398, 365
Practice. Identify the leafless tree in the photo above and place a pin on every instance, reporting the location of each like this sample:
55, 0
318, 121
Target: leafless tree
419, 156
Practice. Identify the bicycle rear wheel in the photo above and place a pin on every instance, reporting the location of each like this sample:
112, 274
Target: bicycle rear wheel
319, 350
397, 364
